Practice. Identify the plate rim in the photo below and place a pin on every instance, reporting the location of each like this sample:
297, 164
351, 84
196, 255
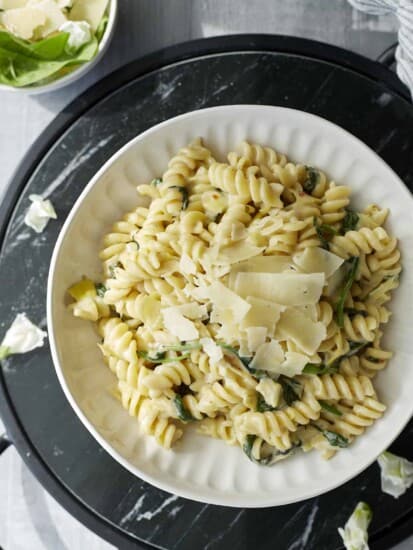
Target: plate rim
193, 493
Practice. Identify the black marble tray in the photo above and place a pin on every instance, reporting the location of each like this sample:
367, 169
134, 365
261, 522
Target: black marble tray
359, 95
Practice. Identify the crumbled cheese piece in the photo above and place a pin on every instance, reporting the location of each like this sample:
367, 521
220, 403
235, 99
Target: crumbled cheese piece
187, 265
224, 299
256, 337
54, 15
12, 4
293, 364
193, 310
23, 22
290, 289
238, 231
270, 390
83, 289
268, 356
91, 11
178, 325
213, 351
305, 333
262, 313
79, 34
21, 337
317, 260
39, 213
237, 252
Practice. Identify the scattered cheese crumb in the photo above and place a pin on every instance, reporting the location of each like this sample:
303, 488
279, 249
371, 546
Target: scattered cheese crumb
39, 213
21, 337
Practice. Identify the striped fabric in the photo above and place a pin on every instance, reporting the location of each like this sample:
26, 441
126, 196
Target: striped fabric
403, 10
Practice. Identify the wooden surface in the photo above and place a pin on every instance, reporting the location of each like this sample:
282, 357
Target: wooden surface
29, 518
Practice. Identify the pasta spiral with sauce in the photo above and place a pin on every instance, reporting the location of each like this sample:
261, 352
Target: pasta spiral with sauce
247, 297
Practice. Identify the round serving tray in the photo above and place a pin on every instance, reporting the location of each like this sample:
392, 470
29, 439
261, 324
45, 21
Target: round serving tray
360, 95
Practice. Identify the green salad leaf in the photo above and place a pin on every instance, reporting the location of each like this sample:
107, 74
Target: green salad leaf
23, 63
100, 31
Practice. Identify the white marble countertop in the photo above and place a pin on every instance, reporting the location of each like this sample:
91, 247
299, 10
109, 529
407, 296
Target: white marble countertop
29, 517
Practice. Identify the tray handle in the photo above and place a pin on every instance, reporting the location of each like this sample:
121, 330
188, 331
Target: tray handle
4, 443
388, 57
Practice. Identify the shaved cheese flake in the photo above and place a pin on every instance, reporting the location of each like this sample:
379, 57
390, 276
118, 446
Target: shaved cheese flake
256, 337
238, 231
187, 265
262, 313
23, 22
225, 299
150, 310
91, 11
238, 252
11, 4
309, 310
54, 15
336, 281
290, 289
296, 326
317, 260
293, 364
264, 264
178, 325
193, 310
268, 357
213, 351
270, 390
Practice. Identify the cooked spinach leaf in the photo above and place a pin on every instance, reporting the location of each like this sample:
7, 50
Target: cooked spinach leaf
292, 390
183, 413
270, 455
324, 232
330, 408
156, 181
184, 193
350, 221
312, 179
321, 368
100, 289
335, 439
112, 268
350, 278
262, 405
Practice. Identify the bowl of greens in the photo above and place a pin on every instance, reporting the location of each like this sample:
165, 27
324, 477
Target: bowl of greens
47, 44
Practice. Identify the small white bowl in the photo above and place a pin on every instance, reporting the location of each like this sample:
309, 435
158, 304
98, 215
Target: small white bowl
79, 71
201, 468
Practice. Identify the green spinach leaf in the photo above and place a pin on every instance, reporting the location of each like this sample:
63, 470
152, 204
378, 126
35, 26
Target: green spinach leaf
184, 193
325, 233
330, 408
183, 412
311, 181
350, 278
350, 221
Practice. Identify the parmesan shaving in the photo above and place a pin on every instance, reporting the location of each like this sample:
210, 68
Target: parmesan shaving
289, 289
296, 326
178, 325
317, 260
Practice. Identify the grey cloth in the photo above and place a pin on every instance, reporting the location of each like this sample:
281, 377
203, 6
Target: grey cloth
403, 10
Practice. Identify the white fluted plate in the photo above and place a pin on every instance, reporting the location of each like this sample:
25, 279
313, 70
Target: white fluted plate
201, 468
